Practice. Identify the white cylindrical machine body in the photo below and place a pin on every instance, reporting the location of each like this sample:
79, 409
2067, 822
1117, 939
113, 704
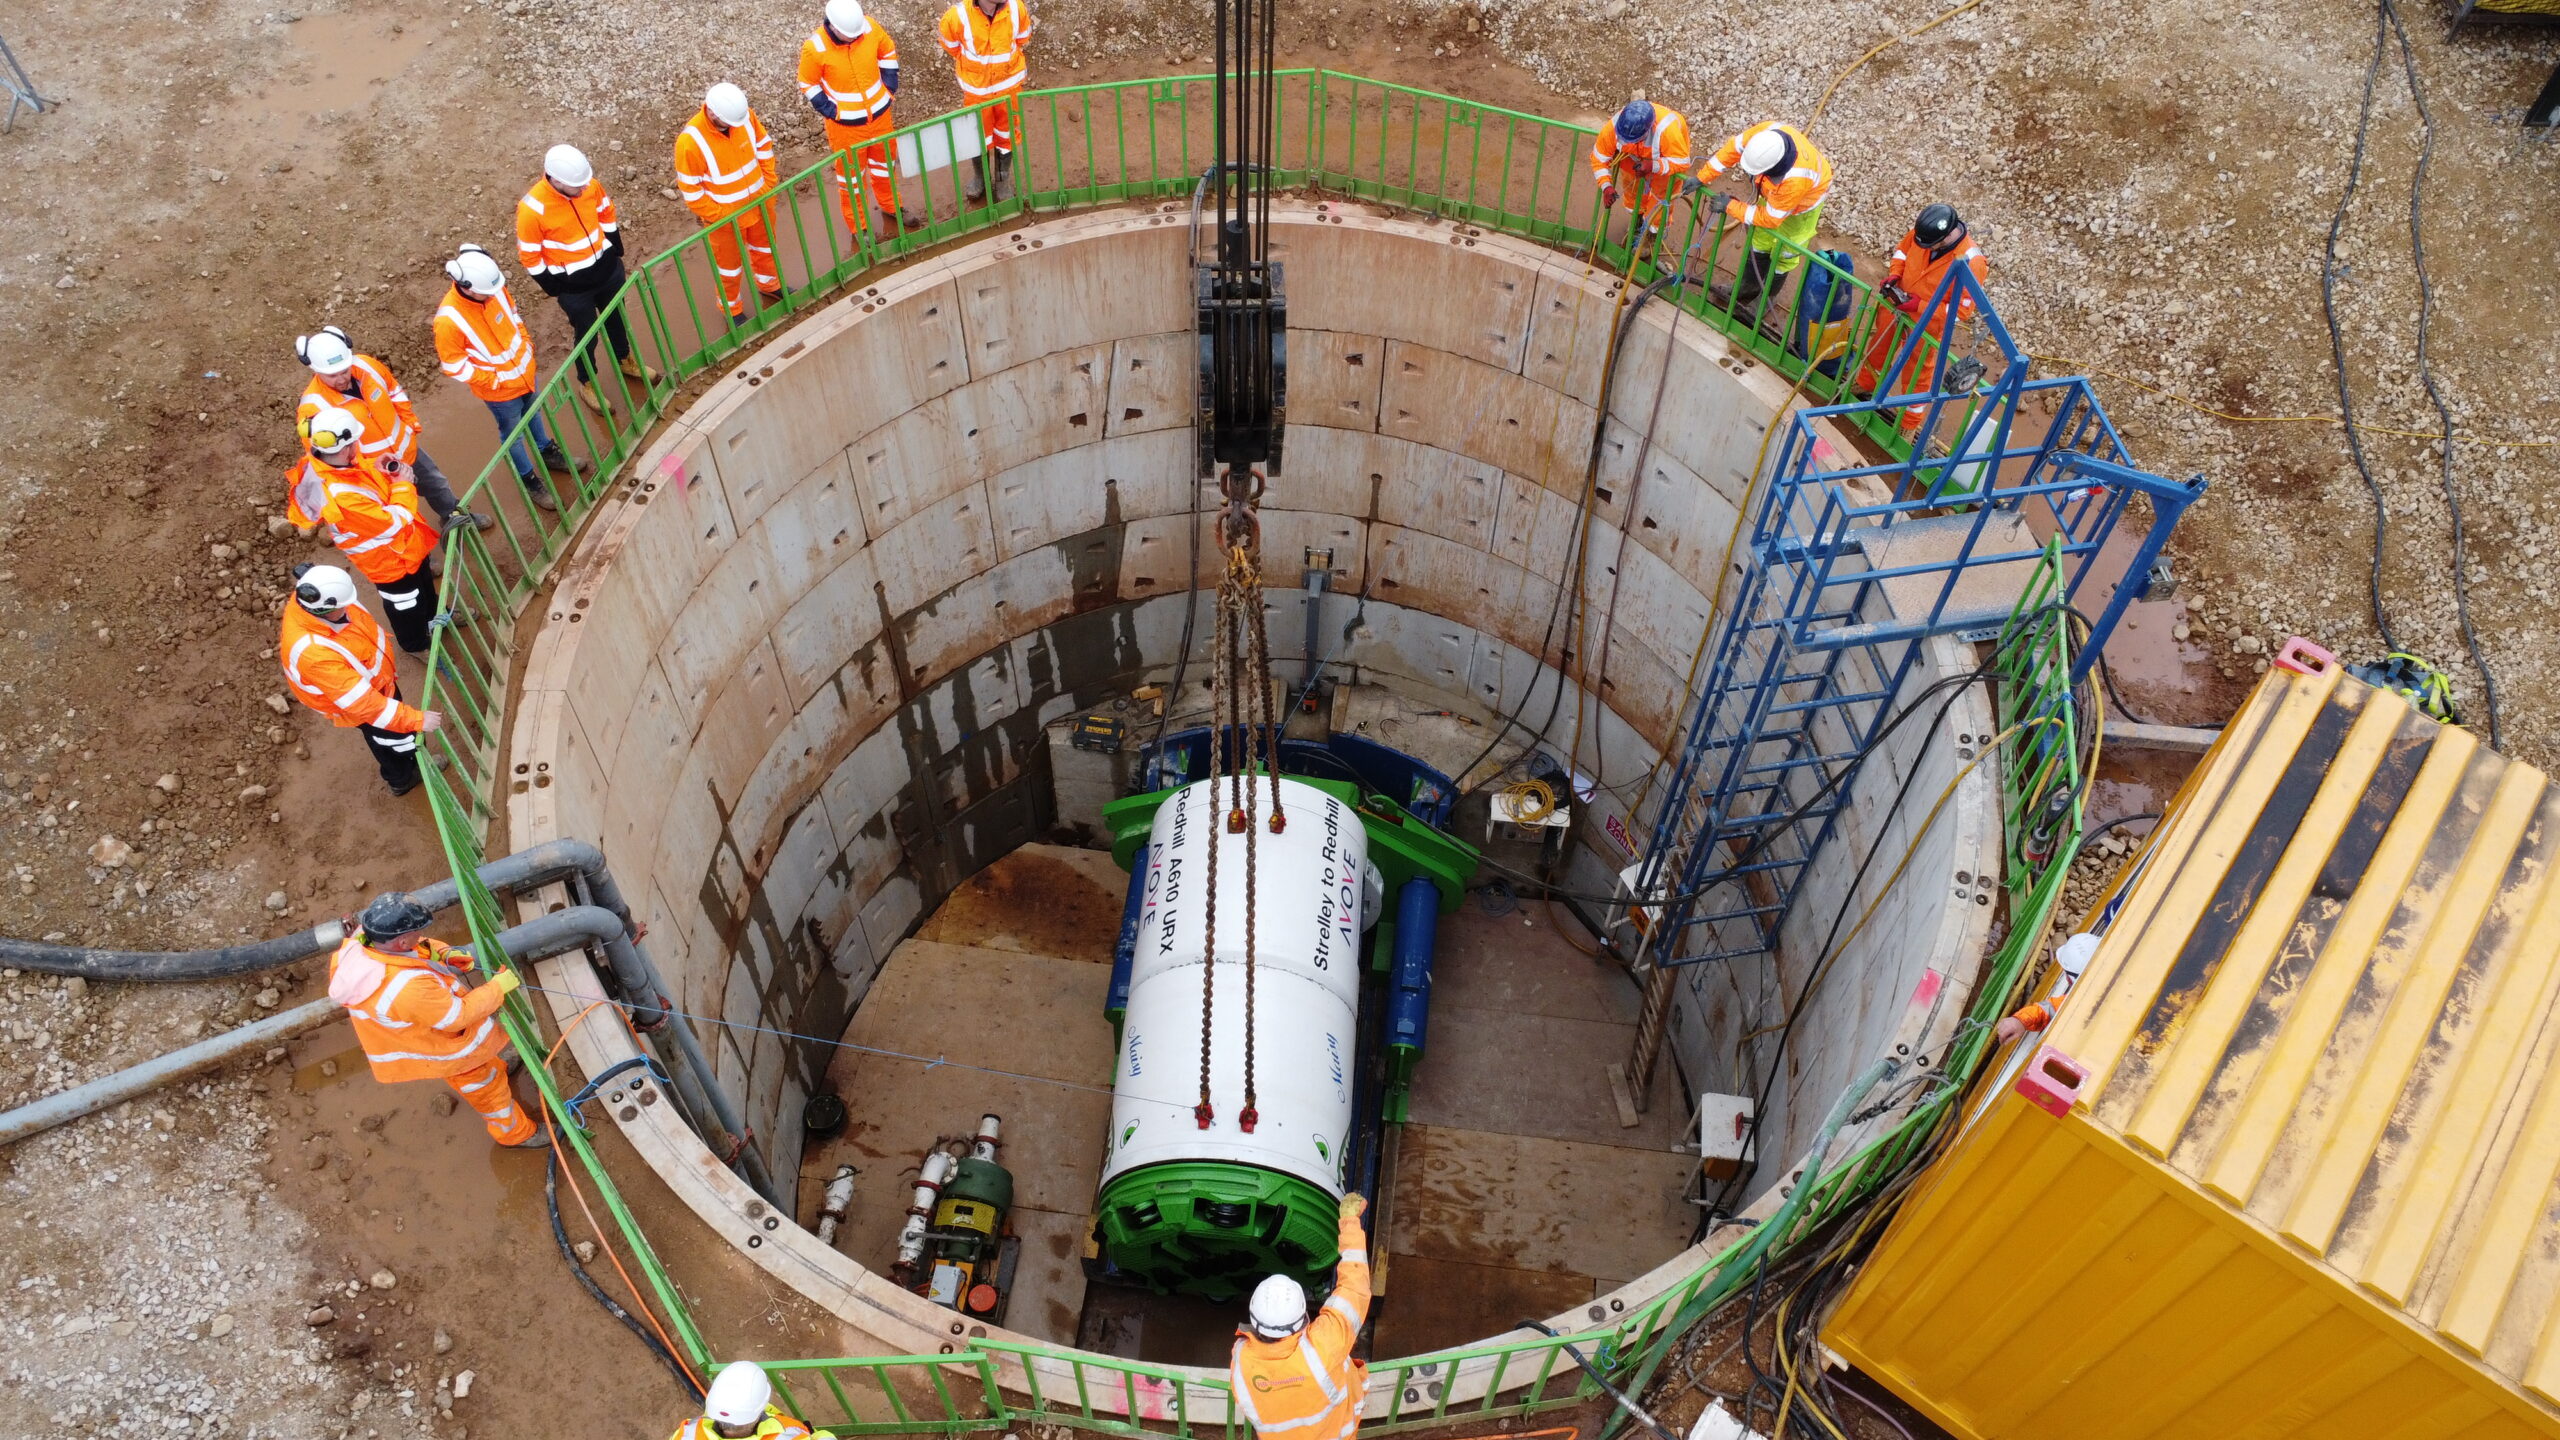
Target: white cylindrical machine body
1306, 929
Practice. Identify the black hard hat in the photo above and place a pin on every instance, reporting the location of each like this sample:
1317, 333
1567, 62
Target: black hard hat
1935, 224
393, 913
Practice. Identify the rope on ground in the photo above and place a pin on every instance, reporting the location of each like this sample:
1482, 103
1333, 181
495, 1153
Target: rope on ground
1855, 65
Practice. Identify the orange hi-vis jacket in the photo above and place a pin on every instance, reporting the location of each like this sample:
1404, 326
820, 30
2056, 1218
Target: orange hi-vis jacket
719, 175
344, 670
987, 53
483, 344
1919, 274
1661, 154
1308, 1387
557, 235
774, 1426
390, 421
1782, 197
373, 518
854, 76
415, 1015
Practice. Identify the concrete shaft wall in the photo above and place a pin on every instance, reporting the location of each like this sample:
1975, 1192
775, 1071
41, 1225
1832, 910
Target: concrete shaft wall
794, 678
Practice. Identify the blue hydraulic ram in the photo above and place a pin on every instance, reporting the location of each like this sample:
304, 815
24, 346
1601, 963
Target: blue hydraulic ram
1124, 953
1409, 980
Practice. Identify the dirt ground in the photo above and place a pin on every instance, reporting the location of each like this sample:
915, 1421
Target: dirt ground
2152, 184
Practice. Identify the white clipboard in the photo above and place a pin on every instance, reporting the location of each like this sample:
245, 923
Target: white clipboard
940, 146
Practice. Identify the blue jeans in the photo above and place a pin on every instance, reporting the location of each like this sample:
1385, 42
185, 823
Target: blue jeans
507, 413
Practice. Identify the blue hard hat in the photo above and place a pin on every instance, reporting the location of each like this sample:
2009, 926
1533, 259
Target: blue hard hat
1636, 121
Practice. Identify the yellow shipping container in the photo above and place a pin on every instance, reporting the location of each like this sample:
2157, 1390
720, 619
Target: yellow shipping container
2304, 1184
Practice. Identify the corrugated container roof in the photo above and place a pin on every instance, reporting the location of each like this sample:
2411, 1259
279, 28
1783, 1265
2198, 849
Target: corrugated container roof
2327, 1004
2305, 1182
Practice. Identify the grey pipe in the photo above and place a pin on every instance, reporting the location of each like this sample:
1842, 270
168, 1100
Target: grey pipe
524, 870
1317, 580
551, 934
722, 1112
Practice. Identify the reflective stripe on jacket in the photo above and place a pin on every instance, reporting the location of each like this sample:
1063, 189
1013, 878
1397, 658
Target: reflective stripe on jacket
415, 1015
1919, 274
719, 174
853, 76
1664, 151
774, 1426
987, 53
559, 234
482, 343
1782, 197
373, 519
1308, 1387
390, 420
344, 670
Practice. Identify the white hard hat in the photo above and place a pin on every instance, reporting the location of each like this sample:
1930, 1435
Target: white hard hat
567, 165
2074, 954
321, 588
1763, 152
845, 17
327, 351
1278, 1308
726, 103
472, 269
738, 1393
330, 428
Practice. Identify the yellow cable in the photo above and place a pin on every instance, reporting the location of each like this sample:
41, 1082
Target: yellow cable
2082, 366
1825, 102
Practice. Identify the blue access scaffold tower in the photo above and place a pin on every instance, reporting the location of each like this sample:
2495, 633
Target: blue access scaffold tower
1849, 569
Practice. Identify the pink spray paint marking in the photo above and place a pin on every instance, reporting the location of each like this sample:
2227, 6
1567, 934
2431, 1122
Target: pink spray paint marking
1931, 982
672, 468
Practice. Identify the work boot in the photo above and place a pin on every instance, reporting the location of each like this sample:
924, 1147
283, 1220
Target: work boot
1004, 175
556, 460
770, 299
973, 181
585, 385
632, 369
538, 495
890, 224
540, 1141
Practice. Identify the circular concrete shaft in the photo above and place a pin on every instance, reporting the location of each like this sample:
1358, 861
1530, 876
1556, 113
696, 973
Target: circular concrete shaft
798, 676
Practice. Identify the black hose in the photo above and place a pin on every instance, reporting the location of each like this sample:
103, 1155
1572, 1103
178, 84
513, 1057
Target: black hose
2338, 339
2094, 831
586, 1282
1590, 479
539, 865
2427, 374
168, 966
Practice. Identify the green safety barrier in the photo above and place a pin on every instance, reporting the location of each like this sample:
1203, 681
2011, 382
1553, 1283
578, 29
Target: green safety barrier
1451, 160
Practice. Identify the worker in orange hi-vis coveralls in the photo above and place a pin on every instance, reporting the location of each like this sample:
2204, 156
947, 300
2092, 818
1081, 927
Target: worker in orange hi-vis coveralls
337, 660
1640, 156
419, 1018
1294, 1376
849, 72
724, 165
1789, 180
1937, 243
987, 39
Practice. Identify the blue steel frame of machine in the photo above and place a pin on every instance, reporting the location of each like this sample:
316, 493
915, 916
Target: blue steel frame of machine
1743, 810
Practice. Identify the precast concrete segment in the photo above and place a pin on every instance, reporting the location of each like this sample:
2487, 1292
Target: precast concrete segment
805, 715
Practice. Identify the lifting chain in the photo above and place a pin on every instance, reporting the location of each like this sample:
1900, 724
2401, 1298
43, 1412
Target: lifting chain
1242, 716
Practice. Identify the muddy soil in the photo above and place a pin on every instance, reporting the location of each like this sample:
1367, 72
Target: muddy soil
2152, 183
